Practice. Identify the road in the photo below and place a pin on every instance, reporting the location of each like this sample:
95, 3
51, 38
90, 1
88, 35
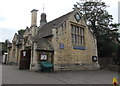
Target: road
12, 75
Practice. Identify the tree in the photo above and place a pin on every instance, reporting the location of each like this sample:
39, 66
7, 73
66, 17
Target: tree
21, 32
100, 22
6, 44
7, 41
118, 55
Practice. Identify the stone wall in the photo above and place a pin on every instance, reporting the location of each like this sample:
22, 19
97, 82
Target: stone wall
34, 60
72, 59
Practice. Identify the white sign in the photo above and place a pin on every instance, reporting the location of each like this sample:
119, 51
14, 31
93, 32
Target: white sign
3, 59
43, 57
24, 53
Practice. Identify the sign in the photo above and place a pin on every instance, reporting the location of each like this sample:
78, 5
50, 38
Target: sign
94, 58
77, 17
24, 53
79, 47
43, 57
61, 46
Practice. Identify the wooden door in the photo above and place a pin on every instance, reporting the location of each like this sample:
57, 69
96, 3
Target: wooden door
25, 59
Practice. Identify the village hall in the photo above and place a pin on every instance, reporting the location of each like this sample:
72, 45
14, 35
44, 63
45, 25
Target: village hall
65, 43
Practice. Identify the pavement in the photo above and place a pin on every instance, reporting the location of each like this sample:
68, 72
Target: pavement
12, 75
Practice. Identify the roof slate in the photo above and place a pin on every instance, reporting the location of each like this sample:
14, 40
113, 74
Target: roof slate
46, 30
43, 44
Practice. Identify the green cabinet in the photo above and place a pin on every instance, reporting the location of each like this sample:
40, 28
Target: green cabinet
46, 66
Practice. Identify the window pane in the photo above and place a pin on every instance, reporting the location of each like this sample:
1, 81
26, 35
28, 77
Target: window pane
77, 35
81, 40
82, 31
75, 39
73, 29
78, 39
79, 30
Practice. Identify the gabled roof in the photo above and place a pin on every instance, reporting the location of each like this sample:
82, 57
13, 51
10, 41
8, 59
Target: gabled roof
27, 31
25, 39
18, 36
19, 39
46, 30
15, 37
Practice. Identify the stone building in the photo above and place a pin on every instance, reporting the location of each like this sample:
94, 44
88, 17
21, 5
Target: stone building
3, 52
119, 14
66, 42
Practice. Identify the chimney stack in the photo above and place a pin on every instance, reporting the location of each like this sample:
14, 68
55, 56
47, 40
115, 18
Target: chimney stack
34, 17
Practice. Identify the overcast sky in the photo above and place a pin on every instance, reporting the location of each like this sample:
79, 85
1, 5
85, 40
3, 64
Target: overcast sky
15, 14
